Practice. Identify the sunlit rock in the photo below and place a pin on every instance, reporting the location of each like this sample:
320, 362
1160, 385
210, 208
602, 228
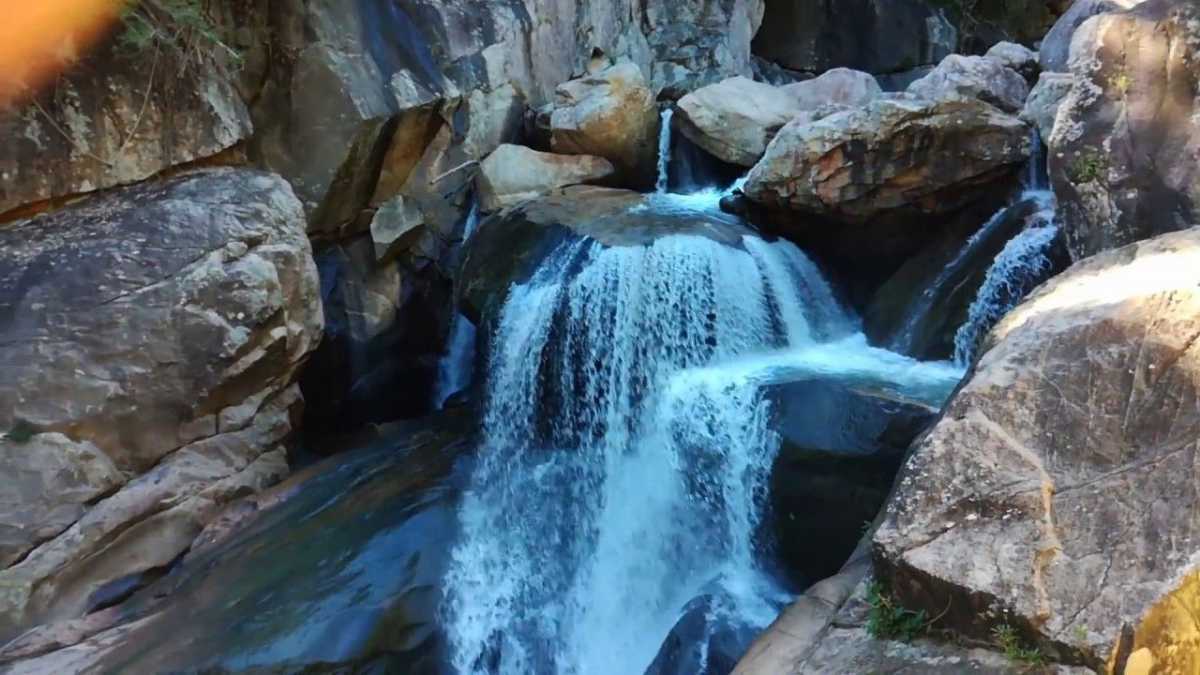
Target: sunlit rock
1057, 493
1127, 136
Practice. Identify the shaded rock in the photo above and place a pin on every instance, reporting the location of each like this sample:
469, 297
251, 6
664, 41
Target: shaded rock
1041, 108
1123, 156
889, 157
840, 86
841, 446
1016, 57
514, 173
88, 133
159, 329
54, 480
1058, 492
734, 120
1055, 51
694, 44
382, 339
775, 74
693, 169
876, 37
704, 641
973, 77
350, 554
983, 23
612, 115
396, 227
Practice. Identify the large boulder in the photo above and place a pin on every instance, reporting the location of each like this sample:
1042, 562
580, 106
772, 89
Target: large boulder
1057, 495
973, 77
1123, 156
610, 114
1017, 57
877, 37
1055, 51
837, 86
1041, 108
150, 341
514, 173
734, 120
892, 156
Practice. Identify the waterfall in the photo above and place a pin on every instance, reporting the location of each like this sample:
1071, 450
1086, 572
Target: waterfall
919, 312
1036, 178
456, 366
622, 475
1024, 263
664, 151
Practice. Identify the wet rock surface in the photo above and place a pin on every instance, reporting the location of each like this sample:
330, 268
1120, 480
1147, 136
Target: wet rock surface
335, 570
842, 445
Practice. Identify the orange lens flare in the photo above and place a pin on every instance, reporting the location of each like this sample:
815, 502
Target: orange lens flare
40, 38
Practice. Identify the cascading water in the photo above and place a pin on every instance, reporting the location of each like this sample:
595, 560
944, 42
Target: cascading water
456, 366
627, 449
664, 151
919, 312
627, 443
1024, 263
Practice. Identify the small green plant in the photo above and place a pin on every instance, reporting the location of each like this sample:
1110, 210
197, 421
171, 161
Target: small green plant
21, 433
1014, 649
1088, 167
181, 26
1081, 633
887, 620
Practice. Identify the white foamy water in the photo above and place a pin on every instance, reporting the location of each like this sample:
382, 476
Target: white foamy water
627, 448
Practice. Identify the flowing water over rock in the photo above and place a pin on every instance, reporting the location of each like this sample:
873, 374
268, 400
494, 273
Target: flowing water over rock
628, 446
664, 151
456, 367
1023, 264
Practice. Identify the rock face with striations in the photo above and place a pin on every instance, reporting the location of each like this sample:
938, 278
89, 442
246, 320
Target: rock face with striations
150, 341
87, 133
1125, 153
1058, 492
893, 156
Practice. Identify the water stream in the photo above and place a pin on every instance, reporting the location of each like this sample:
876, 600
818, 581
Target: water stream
627, 444
457, 365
